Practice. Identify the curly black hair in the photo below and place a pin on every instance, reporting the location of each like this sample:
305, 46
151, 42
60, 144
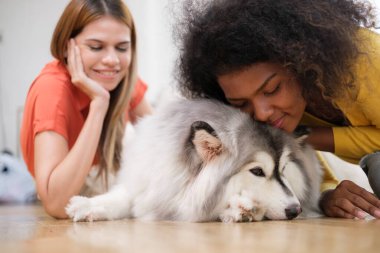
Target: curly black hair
315, 39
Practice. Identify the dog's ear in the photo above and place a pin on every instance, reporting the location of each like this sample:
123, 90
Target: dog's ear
301, 133
205, 140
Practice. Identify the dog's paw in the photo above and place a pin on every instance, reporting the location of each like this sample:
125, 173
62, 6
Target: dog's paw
240, 209
82, 209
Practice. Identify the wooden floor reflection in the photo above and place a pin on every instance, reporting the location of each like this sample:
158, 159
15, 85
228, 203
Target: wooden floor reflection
29, 229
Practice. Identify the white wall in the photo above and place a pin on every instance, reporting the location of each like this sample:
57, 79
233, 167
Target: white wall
26, 27
156, 50
376, 3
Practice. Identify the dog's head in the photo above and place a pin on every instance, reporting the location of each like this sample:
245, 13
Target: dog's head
265, 181
260, 163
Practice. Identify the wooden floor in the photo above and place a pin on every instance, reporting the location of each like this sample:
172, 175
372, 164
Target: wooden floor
29, 229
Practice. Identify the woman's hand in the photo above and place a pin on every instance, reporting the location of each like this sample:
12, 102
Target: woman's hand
79, 78
349, 200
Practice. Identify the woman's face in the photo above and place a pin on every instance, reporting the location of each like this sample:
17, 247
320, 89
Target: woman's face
105, 47
268, 92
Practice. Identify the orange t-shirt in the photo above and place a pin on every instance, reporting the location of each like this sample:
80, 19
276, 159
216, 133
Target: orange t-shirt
54, 104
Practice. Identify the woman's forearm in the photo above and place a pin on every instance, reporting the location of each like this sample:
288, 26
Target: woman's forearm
321, 138
68, 177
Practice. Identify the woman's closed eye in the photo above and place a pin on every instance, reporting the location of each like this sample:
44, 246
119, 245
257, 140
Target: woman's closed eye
122, 48
240, 105
272, 90
95, 47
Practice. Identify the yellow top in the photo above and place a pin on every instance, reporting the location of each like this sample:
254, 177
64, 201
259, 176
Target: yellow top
363, 135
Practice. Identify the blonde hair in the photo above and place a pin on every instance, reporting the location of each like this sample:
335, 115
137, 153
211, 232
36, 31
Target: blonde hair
78, 14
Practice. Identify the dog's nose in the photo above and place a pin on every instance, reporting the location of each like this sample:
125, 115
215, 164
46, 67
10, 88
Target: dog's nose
292, 211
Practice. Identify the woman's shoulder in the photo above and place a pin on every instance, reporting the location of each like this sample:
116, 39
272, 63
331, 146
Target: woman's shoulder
366, 33
367, 65
369, 42
53, 78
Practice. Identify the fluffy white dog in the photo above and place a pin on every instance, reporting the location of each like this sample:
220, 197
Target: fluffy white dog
201, 160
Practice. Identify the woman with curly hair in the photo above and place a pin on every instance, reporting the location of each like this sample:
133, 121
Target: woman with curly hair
291, 63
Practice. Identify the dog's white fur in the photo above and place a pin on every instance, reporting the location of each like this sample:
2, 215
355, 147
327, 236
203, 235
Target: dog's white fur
203, 161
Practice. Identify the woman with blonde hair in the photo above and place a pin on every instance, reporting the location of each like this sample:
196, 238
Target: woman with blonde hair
76, 109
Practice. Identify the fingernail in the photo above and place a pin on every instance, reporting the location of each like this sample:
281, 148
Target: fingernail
377, 213
361, 214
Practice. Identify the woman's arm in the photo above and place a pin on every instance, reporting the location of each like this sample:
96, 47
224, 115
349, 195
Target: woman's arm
60, 172
347, 200
321, 138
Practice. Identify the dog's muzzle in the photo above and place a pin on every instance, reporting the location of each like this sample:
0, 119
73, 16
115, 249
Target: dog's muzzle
293, 211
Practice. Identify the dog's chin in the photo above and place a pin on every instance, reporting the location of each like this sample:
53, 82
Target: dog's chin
259, 215
267, 216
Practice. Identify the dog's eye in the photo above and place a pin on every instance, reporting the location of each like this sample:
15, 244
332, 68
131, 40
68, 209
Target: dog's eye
257, 171
5, 170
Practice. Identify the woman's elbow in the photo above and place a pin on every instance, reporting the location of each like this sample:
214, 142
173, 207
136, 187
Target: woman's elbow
54, 209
